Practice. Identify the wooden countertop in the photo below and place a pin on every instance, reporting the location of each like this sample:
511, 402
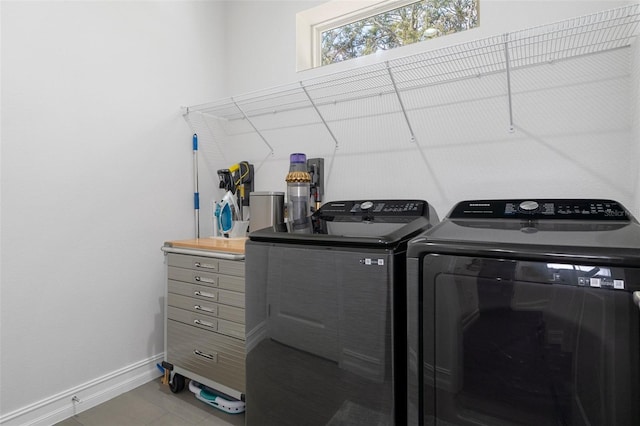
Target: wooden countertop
226, 245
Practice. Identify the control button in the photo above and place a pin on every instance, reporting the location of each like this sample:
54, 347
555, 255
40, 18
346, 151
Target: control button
529, 205
366, 205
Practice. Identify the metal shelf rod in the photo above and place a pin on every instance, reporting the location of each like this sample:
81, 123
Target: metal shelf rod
335, 140
253, 126
404, 111
507, 62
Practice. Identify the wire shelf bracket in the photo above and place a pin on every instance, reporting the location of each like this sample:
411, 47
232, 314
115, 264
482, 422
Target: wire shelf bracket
253, 126
404, 111
508, 74
315, 107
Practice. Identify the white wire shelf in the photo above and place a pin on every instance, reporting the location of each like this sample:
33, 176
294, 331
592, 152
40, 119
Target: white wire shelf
303, 103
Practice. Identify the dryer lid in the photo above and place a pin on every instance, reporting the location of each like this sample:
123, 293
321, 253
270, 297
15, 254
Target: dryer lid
382, 223
544, 228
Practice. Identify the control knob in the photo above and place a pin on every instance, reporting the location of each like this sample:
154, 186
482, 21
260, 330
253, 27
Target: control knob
366, 205
528, 206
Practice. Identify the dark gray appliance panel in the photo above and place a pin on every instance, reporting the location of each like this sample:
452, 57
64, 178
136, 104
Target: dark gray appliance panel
526, 343
364, 306
324, 318
303, 312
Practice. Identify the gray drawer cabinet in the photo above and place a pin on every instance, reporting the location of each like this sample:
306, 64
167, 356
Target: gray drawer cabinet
204, 329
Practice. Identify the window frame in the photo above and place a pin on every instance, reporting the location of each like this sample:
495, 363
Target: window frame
311, 23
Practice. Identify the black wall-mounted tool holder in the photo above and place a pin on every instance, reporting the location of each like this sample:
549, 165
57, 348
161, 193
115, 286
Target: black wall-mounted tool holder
316, 170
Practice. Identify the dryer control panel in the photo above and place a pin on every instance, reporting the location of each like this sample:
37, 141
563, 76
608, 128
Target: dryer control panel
535, 209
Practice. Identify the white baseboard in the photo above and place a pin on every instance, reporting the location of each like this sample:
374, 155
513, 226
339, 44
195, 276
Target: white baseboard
61, 406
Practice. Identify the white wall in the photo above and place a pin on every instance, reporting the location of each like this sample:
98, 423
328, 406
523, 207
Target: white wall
96, 175
573, 135
96, 160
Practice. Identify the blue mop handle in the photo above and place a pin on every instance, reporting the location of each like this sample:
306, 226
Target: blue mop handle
196, 194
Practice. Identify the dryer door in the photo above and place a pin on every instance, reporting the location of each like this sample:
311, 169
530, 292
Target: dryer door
506, 342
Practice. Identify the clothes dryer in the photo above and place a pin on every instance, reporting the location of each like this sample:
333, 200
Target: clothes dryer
525, 312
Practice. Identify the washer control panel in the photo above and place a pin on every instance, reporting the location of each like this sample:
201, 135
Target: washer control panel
375, 208
534, 209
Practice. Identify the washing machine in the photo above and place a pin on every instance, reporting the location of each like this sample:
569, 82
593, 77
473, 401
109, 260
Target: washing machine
525, 312
326, 316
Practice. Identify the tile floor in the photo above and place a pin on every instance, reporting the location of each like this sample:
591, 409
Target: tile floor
153, 404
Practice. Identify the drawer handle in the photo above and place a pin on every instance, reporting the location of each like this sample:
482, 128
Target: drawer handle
203, 308
205, 280
204, 265
212, 357
205, 323
204, 294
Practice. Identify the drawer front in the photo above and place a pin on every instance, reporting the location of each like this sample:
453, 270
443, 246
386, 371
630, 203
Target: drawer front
192, 276
206, 308
231, 283
231, 267
205, 322
210, 264
202, 277
214, 356
193, 262
193, 305
210, 294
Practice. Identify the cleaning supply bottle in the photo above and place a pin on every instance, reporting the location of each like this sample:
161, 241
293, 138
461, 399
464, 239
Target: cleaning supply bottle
298, 195
216, 219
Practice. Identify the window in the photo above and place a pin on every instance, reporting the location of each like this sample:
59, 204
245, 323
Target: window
338, 33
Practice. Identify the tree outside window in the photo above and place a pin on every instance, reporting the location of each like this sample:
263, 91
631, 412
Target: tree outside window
405, 25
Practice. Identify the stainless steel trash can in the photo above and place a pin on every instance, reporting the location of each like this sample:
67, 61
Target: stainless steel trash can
267, 209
